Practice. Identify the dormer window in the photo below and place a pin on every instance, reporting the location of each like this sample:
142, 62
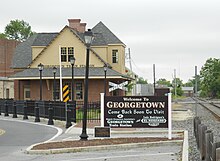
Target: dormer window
66, 53
114, 56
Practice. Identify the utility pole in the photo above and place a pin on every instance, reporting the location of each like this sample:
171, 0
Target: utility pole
196, 89
196, 83
154, 78
129, 57
175, 81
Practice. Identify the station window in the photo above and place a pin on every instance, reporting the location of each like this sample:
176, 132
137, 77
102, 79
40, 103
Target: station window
79, 91
114, 56
66, 53
27, 92
70, 53
63, 54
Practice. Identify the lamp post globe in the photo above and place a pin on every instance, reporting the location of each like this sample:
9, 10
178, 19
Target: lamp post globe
105, 71
54, 83
88, 36
72, 62
40, 67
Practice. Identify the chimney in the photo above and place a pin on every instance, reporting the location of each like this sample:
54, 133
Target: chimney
76, 25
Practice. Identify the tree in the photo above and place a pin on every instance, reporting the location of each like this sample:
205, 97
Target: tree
163, 82
2, 35
141, 81
18, 30
210, 73
192, 83
177, 84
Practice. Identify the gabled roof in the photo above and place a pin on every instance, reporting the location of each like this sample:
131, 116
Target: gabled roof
107, 35
43, 39
23, 53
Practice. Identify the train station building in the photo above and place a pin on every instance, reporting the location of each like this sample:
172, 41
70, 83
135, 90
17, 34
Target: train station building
55, 50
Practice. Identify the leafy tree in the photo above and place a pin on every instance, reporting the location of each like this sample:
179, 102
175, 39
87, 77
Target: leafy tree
177, 87
141, 81
210, 74
163, 81
18, 30
2, 35
192, 83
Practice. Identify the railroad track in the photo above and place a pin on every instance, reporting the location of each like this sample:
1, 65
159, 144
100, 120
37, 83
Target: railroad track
212, 106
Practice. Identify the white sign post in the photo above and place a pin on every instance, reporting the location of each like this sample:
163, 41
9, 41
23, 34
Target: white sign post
102, 109
169, 116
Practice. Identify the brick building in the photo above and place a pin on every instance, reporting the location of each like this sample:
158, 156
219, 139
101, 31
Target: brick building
53, 49
7, 48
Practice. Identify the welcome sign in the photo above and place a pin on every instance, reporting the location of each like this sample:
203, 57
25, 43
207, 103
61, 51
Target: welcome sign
136, 111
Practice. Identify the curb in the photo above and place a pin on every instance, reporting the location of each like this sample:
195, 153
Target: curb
185, 151
103, 147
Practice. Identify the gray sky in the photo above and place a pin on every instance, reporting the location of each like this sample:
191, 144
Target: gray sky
172, 34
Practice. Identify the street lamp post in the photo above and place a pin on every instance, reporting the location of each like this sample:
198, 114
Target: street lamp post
72, 62
105, 70
88, 35
40, 67
54, 83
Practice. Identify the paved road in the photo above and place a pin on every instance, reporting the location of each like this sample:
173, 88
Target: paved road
20, 135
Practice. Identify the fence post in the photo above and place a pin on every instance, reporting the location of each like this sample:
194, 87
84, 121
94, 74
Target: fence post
50, 116
68, 114
25, 117
202, 150
202, 129
74, 111
15, 110
208, 142
214, 147
196, 130
199, 137
217, 154
37, 112
6, 108
195, 123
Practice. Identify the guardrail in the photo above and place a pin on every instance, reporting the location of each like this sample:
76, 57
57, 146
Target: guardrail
209, 150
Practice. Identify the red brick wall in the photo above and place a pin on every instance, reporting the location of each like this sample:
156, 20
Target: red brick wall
95, 88
7, 48
46, 91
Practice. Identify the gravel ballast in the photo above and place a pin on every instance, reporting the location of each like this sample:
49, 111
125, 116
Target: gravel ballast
206, 118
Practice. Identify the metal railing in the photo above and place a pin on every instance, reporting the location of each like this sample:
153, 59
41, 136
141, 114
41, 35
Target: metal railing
28, 108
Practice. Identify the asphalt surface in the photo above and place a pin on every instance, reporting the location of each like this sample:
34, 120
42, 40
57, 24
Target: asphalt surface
20, 135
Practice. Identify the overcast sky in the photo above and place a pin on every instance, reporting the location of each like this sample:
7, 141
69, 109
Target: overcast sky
172, 34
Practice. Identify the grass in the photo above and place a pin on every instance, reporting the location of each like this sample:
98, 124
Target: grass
92, 114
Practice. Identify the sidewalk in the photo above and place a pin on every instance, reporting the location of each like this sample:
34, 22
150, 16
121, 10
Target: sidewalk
74, 132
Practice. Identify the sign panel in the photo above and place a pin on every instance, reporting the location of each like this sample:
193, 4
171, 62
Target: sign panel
136, 111
118, 86
65, 93
102, 131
